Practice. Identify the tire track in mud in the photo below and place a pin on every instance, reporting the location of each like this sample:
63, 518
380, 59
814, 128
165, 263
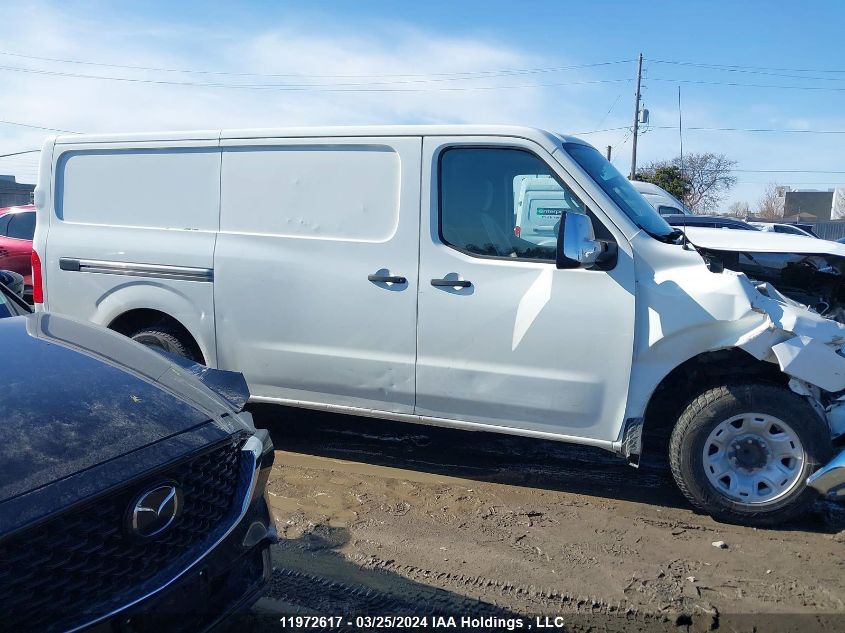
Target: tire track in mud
323, 595
300, 593
529, 598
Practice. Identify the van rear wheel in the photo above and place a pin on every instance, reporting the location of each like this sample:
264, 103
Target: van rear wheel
742, 453
165, 340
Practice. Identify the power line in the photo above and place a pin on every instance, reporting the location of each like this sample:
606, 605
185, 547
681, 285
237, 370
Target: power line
28, 151
741, 129
456, 74
791, 183
730, 67
607, 129
760, 72
352, 87
782, 171
744, 85
38, 127
606, 114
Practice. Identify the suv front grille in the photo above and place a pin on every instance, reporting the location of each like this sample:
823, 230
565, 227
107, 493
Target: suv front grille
81, 565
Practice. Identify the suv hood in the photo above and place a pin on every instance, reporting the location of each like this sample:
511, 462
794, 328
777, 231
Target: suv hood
760, 242
75, 395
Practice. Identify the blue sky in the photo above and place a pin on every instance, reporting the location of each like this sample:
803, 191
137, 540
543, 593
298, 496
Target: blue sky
399, 62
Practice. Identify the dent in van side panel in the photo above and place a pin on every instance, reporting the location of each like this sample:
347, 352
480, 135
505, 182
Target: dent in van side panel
311, 229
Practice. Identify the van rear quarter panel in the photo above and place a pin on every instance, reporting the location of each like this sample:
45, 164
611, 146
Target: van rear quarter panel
135, 203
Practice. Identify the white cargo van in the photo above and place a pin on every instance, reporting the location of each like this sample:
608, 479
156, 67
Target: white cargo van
538, 204
376, 271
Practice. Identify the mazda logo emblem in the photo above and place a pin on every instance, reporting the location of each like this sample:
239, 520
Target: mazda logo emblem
154, 510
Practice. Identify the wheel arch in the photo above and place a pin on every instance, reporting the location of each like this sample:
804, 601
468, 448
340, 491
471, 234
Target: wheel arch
139, 318
141, 303
703, 371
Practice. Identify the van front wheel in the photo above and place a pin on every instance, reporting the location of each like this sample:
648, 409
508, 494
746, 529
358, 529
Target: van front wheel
163, 340
742, 453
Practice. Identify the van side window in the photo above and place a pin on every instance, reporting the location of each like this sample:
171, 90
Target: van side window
21, 226
498, 202
4, 222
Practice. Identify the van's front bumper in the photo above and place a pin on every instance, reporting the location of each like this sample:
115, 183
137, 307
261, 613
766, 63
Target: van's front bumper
830, 478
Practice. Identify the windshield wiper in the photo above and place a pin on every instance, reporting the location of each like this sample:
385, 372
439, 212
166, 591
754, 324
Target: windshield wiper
669, 238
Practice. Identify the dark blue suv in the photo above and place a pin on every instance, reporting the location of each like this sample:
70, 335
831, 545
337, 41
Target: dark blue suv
131, 484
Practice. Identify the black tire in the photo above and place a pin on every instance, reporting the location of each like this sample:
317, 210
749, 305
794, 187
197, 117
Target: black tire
163, 339
711, 408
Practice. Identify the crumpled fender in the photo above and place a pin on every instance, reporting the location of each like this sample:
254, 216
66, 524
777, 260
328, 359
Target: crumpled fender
803, 343
684, 310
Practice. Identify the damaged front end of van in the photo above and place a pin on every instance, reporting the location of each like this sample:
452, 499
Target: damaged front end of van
688, 313
809, 349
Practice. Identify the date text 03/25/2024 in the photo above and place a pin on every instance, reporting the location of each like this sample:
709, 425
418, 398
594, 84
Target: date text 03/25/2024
305, 622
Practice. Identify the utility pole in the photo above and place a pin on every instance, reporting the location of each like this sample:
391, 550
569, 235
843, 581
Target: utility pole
681, 130
636, 117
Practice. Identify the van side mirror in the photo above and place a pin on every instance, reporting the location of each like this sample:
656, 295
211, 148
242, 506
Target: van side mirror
577, 246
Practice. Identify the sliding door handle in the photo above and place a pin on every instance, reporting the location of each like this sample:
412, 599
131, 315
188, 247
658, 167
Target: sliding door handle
387, 279
451, 283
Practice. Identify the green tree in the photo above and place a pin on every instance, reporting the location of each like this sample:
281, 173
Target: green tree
667, 177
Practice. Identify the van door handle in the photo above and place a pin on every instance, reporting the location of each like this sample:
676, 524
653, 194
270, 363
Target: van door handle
451, 283
387, 279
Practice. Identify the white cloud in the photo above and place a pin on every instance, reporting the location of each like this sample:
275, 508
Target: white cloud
88, 105
382, 48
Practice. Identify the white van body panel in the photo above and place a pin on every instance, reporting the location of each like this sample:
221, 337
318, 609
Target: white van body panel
544, 139
304, 222
509, 351
129, 214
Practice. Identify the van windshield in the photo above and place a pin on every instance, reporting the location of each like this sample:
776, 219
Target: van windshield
621, 191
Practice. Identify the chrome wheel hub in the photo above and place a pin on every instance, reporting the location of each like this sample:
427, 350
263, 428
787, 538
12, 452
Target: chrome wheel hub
753, 458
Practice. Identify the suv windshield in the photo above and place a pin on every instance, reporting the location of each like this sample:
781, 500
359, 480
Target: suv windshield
620, 190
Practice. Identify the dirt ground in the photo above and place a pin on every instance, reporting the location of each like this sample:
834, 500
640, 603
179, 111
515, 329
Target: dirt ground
381, 517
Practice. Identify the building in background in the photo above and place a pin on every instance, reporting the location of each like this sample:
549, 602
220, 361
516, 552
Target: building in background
13, 193
809, 206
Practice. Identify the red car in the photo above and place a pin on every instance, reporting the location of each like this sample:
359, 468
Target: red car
17, 226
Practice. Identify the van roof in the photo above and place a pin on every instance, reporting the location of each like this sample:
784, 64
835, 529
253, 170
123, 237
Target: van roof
647, 187
540, 136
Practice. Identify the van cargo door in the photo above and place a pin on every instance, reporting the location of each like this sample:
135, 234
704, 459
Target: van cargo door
316, 269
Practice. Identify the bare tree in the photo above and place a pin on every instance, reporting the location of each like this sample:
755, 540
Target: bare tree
739, 209
838, 212
709, 177
770, 206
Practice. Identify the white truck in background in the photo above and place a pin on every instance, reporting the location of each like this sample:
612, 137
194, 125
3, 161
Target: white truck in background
389, 271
